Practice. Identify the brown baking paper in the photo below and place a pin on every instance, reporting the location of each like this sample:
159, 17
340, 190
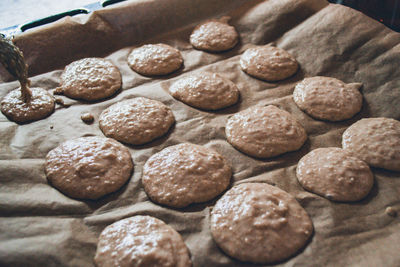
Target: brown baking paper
40, 226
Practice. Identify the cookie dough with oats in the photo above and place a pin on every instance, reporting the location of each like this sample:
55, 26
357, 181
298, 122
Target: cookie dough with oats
90, 79
335, 174
214, 35
204, 90
259, 223
376, 141
40, 105
268, 63
88, 167
155, 59
183, 174
328, 98
136, 121
141, 241
265, 132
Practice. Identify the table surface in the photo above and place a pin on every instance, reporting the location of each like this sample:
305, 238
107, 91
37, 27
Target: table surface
15, 12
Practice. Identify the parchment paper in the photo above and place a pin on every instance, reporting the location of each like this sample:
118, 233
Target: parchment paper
40, 226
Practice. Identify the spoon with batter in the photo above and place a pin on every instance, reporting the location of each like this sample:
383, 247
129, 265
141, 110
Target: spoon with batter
24, 104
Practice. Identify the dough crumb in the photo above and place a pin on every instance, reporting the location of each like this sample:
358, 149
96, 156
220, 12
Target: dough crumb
391, 212
60, 101
87, 118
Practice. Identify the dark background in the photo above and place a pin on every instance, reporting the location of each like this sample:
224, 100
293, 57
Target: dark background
385, 11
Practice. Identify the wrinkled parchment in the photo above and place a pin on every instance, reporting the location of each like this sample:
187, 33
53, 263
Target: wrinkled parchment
39, 226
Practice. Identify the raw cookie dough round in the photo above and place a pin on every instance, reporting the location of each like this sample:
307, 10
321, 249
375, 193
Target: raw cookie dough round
155, 59
141, 241
183, 174
265, 132
208, 91
328, 98
376, 141
88, 167
214, 35
259, 223
40, 105
90, 79
333, 173
268, 63
136, 121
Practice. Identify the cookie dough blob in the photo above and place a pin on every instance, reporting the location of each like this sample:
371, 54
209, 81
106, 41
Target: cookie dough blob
136, 121
334, 174
208, 91
265, 132
259, 223
88, 167
328, 98
141, 241
214, 35
375, 141
40, 105
183, 174
155, 59
90, 79
268, 63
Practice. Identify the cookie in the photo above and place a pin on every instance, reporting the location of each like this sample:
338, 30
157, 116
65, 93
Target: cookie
88, 167
90, 79
141, 241
334, 174
328, 98
214, 35
155, 59
268, 63
264, 132
259, 223
183, 174
40, 105
136, 121
375, 141
208, 91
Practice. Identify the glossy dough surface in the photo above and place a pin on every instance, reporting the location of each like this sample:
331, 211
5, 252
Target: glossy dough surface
183, 174
88, 167
334, 174
259, 223
376, 141
268, 63
265, 132
328, 98
155, 59
90, 79
40, 106
208, 91
136, 121
141, 241
214, 35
